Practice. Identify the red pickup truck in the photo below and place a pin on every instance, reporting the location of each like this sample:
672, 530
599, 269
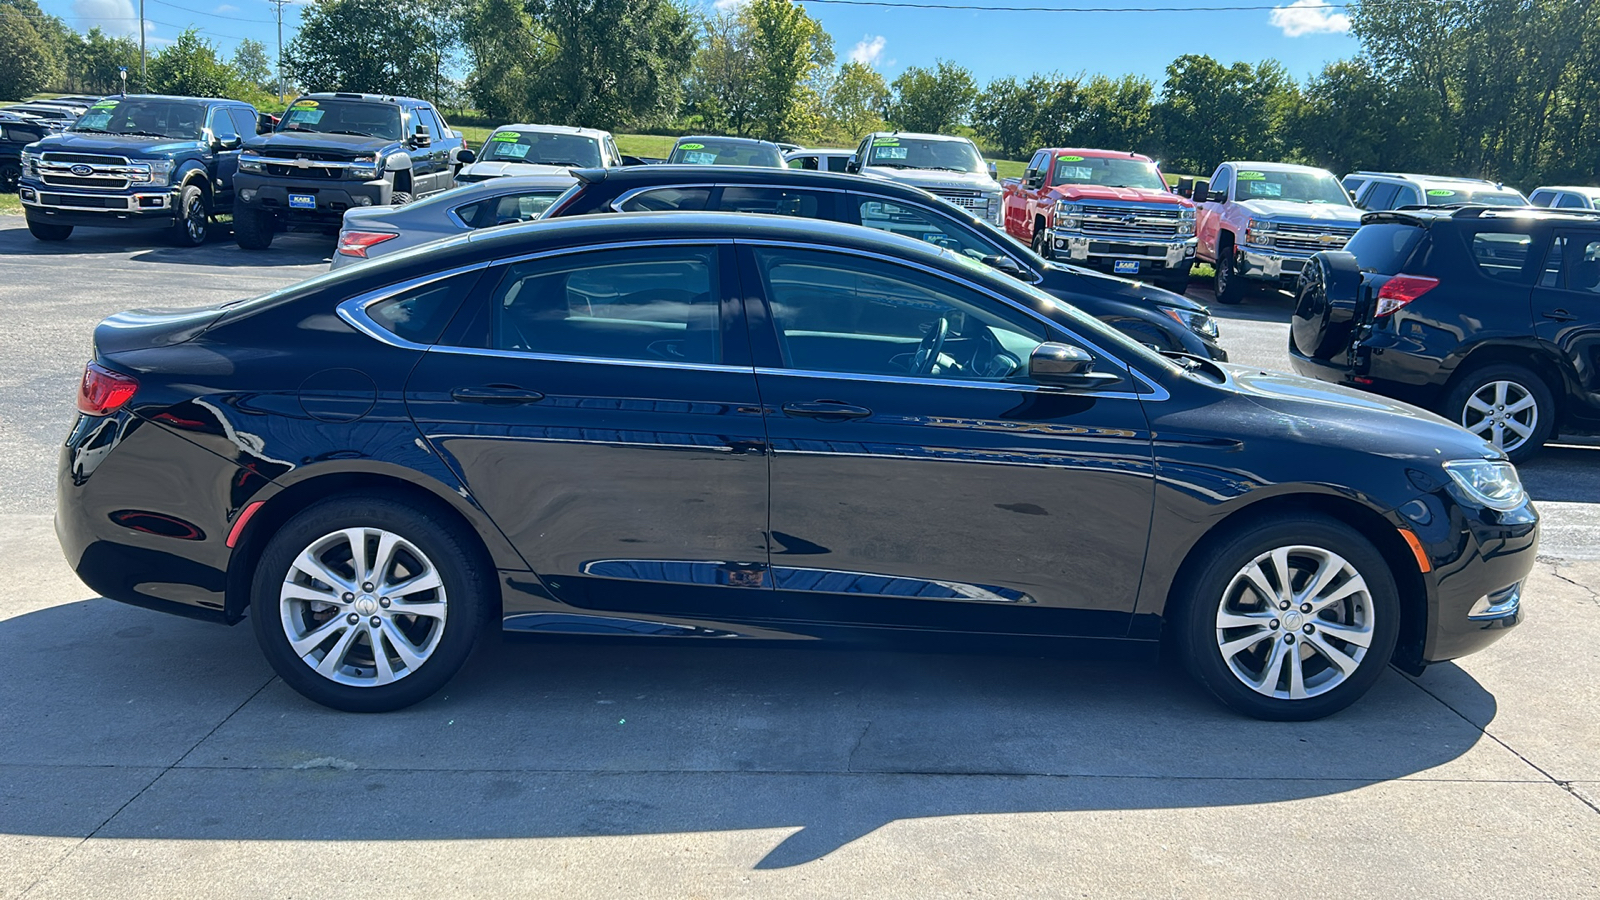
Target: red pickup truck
1104, 209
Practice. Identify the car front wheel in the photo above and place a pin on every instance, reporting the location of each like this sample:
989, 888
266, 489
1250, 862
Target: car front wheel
1226, 283
368, 605
1291, 619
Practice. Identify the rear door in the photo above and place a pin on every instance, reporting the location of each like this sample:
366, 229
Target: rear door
1566, 308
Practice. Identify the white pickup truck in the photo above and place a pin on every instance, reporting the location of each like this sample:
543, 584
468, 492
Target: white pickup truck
950, 168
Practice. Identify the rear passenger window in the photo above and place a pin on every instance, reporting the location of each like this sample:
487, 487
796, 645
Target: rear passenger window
1573, 264
1570, 201
1541, 198
776, 201
1501, 255
1380, 196
668, 199
421, 314
1385, 247
645, 304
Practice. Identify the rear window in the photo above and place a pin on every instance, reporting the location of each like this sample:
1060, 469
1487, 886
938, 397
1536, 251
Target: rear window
1501, 255
1385, 247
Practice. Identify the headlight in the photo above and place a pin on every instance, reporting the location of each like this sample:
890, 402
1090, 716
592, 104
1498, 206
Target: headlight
1069, 216
28, 160
1198, 322
250, 164
1489, 482
364, 167
994, 208
1259, 232
152, 172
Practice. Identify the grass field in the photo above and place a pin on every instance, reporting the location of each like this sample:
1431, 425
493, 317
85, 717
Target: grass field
10, 205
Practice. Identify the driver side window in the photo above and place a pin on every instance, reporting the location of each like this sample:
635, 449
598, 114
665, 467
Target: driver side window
1222, 180
920, 225
658, 304
839, 313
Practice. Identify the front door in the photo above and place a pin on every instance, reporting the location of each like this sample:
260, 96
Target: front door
601, 407
1566, 311
919, 479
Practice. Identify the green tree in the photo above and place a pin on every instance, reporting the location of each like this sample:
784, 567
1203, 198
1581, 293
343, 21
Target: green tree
788, 47
721, 89
254, 66
95, 63
58, 38
932, 100
189, 67
609, 63
1210, 112
1353, 118
1116, 114
501, 44
855, 102
376, 46
26, 65
1004, 115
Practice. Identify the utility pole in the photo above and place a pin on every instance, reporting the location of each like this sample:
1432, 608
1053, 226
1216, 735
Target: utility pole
143, 83
279, 4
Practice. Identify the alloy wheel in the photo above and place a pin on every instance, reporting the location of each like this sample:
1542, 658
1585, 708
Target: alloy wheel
194, 221
1295, 622
363, 607
1504, 413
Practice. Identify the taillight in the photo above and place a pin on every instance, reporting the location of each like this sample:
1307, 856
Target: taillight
355, 243
103, 391
1402, 289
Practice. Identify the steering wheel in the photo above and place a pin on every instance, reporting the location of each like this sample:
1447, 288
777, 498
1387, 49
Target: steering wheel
927, 355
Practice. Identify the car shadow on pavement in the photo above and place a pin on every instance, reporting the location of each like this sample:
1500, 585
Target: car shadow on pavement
1567, 473
577, 739
151, 245
1258, 306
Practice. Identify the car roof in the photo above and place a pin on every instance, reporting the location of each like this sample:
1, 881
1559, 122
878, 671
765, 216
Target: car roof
173, 97
806, 151
1092, 153
670, 174
348, 95
1272, 166
553, 129
510, 182
1430, 215
1586, 190
920, 135
725, 139
1425, 180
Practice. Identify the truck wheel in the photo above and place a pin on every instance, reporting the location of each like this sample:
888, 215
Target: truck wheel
193, 224
45, 231
252, 228
1041, 243
1227, 284
10, 174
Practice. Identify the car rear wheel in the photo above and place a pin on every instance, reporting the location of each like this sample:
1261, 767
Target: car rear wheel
368, 605
193, 223
252, 228
1291, 619
1226, 283
45, 231
1506, 405
10, 176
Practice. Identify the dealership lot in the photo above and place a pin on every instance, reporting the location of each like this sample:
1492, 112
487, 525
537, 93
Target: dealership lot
150, 756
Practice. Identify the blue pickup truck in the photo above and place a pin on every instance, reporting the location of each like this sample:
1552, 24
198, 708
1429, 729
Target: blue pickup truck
137, 161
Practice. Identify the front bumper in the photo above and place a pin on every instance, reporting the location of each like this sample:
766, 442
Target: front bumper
154, 208
1481, 562
332, 197
1267, 265
1153, 255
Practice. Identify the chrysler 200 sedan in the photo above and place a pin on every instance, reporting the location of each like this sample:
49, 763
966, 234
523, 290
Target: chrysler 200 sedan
739, 427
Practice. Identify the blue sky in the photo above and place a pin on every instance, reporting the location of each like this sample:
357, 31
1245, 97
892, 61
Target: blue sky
1302, 34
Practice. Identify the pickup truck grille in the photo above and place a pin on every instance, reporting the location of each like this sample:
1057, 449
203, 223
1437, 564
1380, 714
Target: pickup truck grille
1133, 220
98, 173
964, 199
305, 154
292, 171
1312, 238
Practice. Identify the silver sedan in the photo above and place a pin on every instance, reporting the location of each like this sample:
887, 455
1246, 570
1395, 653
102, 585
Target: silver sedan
375, 230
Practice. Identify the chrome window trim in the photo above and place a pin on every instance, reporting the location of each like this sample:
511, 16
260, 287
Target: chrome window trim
354, 310
863, 191
508, 192
1157, 392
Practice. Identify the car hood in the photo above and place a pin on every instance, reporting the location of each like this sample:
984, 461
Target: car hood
497, 169
934, 179
311, 142
119, 144
1332, 415
1061, 279
1314, 213
1125, 194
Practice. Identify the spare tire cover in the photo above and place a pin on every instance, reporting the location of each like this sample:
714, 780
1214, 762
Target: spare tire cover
1325, 304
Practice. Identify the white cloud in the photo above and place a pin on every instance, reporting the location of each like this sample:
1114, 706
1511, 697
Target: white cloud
727, 5
226, 8
869, 50
1309, 17
114, 17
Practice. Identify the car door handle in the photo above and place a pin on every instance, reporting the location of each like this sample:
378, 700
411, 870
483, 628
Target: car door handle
826, 410
497, 395
1559, 315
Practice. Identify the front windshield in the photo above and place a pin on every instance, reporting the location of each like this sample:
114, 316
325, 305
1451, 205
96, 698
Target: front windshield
353, 117
174, 119
1122, 173
924, 153
1476, 196
542, 148
1292, 186
714, 152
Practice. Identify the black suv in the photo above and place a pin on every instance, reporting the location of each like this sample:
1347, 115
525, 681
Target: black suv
333, 152
137, 161
1487, 316
16, 132
1158, 318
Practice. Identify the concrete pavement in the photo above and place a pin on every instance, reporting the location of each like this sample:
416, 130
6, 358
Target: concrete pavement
143, 755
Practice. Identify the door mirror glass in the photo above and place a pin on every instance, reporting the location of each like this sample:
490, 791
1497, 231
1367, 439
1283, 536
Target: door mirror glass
1184, 187
853, 166
466, 157
1200, 191
231, 142
1004, 264
1064, 365
994, 171
422, 137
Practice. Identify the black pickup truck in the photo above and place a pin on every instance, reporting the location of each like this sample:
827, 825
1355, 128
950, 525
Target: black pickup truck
137, 161
337, 151
16, 132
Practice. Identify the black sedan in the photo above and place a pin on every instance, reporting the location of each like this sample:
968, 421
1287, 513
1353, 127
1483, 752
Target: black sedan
742, 427
1148, 314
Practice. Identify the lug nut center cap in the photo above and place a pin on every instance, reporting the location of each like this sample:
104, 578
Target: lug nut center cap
1292, 620
366, 605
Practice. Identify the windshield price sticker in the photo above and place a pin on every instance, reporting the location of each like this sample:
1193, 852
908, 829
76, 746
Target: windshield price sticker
882, 152
700, 158
1252, 176
505, 136
691, 146
1070, 158
1441, 193
1075, 173
515, 151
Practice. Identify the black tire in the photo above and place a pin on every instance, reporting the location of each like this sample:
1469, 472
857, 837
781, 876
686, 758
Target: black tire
1226, 283
1521, 382
399, 198
45, 231
1041, 245
252, 228
1211, 585
10, 176
466, 586
193, 223
1326, 299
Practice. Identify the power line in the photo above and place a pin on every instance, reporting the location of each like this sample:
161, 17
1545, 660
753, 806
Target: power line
1114, 9
214, 15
